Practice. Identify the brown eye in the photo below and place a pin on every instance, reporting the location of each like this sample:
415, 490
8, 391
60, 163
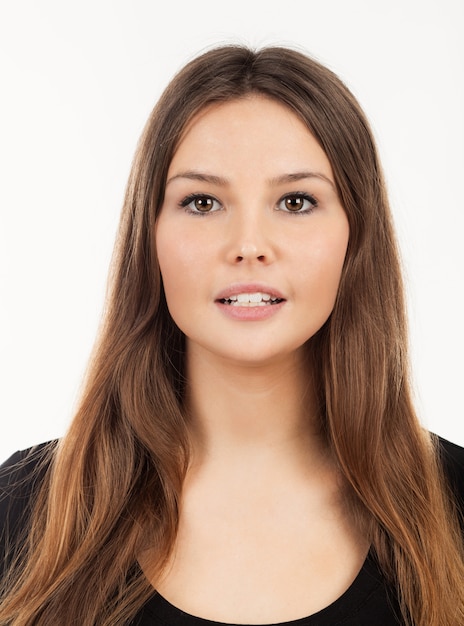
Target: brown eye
297, 203
200, 204
294, 203
203, 204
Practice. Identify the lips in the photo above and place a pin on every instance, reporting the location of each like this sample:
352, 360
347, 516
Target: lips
249, 295
251, 299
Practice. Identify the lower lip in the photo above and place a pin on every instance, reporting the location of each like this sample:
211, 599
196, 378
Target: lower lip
250, 313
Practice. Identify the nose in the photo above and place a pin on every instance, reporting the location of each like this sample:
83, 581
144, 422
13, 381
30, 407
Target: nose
249, 251
250, 238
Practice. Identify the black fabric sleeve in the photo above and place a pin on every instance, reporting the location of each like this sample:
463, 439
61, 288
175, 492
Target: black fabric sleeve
452, 457
20, 478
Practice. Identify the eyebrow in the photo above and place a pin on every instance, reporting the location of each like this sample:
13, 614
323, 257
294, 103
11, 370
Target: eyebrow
203, 177
223, 182
292, 177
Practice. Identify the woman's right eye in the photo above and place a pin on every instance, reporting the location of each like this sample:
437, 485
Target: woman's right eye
200, 204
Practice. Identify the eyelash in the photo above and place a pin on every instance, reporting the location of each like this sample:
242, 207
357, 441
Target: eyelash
197, 196
299, 195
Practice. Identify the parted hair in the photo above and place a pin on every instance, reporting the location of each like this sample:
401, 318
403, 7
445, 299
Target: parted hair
114, 480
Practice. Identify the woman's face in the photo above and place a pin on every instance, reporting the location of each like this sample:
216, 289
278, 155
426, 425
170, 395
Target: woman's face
251, 237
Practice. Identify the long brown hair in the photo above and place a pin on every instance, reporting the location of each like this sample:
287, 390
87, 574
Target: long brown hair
115, 478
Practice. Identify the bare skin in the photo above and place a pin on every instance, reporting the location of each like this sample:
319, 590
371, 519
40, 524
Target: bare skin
263, 536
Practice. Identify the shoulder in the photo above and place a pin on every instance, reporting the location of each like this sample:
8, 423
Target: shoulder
20, 478
20, 473
452, 454
452, 458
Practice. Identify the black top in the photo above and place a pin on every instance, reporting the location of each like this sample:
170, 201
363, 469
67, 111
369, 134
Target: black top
368, 601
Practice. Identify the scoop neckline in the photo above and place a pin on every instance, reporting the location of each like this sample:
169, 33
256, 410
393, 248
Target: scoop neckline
346, 605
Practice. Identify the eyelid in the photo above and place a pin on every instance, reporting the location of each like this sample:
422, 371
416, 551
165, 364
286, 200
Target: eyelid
190, 198
302, 195
194, 196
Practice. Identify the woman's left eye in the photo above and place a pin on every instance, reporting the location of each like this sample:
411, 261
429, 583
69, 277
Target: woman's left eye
200, 204
297, 203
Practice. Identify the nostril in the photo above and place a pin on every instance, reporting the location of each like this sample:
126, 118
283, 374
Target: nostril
249, 253
260, 258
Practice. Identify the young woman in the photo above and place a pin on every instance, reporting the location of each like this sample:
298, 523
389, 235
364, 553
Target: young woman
246, 450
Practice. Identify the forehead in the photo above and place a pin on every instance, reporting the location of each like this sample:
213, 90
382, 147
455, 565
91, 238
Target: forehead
253, 130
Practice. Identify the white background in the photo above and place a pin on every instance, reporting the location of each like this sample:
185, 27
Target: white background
77, 82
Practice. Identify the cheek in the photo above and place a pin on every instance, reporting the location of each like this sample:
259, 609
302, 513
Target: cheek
167, 249
323, 259
320, 280
181, 260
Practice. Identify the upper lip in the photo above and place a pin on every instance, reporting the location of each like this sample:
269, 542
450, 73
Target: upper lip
236, 288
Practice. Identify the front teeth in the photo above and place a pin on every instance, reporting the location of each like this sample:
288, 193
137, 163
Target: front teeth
251, 299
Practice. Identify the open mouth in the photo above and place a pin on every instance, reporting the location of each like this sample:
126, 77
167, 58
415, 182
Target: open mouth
251, 299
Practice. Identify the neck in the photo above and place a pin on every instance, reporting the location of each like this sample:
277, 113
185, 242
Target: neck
251, 412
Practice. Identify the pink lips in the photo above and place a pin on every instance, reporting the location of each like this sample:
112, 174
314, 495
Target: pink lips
249, 313
237, 288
